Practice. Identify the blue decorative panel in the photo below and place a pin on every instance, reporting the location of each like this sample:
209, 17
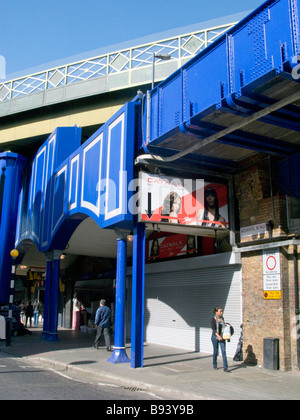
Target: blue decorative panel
51, 147
91, 181
59, 196
43, 193
74, 182
118, 171
172, 94
91, 175
201, 92
114, 168
38, 192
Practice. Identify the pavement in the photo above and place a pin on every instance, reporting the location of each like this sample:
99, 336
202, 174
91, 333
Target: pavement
171, 373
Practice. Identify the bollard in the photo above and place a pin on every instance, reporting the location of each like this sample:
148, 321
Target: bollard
2, 328
8, 332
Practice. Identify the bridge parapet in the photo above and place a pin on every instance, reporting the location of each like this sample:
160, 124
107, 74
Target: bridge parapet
108, 72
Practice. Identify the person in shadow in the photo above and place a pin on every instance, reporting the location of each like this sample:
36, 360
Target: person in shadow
28, 314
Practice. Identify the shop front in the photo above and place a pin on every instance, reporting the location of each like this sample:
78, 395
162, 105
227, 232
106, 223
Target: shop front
180, 296
189, 264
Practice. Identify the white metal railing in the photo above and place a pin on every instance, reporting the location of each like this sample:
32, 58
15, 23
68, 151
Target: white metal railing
183, 46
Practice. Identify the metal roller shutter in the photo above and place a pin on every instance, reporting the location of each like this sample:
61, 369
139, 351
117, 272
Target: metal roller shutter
179, 304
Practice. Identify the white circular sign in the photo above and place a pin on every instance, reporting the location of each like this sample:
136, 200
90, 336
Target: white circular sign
271, 263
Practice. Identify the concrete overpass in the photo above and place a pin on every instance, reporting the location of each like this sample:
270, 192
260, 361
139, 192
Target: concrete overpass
87, 93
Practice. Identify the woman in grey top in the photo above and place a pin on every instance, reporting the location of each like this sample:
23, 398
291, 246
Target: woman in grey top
217, 326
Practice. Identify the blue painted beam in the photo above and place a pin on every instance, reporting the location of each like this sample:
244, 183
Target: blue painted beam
47, 298
205, 162
54, 298
11, 166
138, 287
244, 139
270, 38
253, 101
282, 118
119, 353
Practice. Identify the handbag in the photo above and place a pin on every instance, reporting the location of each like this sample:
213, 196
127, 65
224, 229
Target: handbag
227, 332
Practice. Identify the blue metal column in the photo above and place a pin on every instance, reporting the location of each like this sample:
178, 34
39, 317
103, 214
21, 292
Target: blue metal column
54, 297
138, 286
11, 165
47, 298
119, 354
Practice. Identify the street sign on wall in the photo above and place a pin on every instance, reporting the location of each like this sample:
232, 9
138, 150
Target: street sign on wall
271, 274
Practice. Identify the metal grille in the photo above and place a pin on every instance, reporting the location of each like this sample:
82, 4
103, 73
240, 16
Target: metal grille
178, 306
184, 46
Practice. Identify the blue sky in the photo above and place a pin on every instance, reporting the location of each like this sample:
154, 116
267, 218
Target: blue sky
36, 32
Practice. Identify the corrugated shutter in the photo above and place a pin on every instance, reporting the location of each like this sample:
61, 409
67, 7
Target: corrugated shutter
179, 304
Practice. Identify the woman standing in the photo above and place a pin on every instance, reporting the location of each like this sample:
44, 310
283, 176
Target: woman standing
218, 325
36, 312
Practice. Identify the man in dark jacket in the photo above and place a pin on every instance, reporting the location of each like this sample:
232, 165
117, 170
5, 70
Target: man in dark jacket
102, 320
28, 314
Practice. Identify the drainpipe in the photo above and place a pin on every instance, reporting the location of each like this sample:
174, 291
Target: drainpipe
204, 142
297, 309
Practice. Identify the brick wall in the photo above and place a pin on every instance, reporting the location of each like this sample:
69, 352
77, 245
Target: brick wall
269, 318
257, 197
259, 202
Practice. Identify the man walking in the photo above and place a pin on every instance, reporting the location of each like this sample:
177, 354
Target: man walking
102, 320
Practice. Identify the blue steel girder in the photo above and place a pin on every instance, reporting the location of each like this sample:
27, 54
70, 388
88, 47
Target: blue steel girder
284, 118
200, 160
244, 139
248, 71
255, 101
247, 141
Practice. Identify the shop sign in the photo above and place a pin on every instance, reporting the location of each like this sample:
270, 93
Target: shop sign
271, 274
171, 246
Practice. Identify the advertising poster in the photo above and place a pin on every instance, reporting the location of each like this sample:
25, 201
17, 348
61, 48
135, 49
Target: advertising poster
192, 202
171, 246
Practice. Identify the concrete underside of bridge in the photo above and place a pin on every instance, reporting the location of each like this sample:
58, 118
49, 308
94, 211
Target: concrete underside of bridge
88, 240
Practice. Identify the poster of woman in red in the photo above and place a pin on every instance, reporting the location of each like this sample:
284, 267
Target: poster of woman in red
171, 246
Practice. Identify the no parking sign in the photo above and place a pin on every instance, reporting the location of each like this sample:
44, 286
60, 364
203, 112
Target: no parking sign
271, 274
